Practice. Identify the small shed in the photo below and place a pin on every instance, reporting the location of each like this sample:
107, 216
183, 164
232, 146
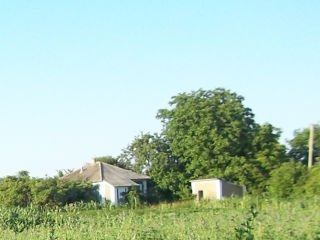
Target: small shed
214, 188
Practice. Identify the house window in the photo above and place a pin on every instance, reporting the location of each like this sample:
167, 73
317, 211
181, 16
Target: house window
141, 187
121, 191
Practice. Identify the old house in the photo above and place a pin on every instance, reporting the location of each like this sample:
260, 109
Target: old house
112, 181
214, 188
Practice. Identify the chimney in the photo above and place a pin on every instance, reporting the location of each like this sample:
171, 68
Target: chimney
81, 170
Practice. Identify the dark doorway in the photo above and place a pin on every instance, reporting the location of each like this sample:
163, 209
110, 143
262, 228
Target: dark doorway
200, 195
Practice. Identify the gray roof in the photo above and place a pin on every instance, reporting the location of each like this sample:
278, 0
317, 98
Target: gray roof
98, 172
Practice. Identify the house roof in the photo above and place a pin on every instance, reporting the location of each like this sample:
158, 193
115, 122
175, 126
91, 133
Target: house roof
98, 172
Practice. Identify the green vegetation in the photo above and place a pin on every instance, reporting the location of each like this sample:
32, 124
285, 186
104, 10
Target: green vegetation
299, 147
113, 161
311, 186
247, 218
205, 134
21, 190
212, 134
287, 180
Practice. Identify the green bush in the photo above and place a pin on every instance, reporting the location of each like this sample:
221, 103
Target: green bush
133, 198
14, 191
53, 192
21, 190
70, 192
312, 182
44, 191
287, 180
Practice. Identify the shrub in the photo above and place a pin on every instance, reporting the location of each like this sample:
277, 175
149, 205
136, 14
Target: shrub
312, 182
70, 192
21, 191
133, 198
14, 191
53, 192
287, 180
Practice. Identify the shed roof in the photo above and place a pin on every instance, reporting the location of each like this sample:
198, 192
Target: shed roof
204, 179
98, 172
213, 179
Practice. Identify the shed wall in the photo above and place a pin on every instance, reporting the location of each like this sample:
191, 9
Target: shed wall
229, 189
209, 189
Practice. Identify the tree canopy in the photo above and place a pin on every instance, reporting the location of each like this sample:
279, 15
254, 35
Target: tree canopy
116, 161
299, 147
207, 130
151, 154
208, 134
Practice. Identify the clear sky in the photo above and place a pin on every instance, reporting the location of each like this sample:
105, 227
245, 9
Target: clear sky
80, 79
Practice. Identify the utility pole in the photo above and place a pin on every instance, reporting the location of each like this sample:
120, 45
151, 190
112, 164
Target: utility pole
310, 146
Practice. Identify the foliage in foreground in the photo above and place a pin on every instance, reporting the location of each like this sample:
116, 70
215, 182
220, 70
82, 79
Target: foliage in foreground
247, 218
21, 190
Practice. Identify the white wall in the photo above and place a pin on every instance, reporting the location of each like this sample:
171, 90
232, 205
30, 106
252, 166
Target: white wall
112, 193
211, 188
116, 192
219, 189
102, 191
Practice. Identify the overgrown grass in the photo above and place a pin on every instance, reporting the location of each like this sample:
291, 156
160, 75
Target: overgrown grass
246, 218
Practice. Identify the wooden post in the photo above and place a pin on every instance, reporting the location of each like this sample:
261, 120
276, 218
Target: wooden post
310, 146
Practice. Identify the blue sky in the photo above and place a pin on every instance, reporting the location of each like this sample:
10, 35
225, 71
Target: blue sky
80, 79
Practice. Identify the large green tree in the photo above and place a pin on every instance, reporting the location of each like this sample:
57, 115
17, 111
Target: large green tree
208, 130
212, 134
207, 134
299, 145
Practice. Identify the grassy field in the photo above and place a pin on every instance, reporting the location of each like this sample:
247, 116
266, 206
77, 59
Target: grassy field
246, 218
